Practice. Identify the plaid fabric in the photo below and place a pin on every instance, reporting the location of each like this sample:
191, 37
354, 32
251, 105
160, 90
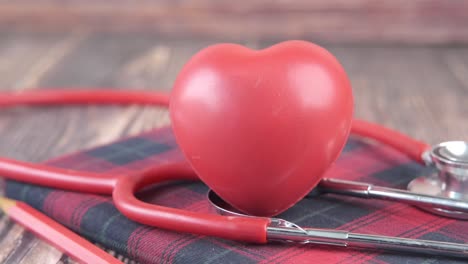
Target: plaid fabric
96, 218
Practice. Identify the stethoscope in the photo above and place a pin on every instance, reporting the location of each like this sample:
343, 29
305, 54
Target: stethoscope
444, 193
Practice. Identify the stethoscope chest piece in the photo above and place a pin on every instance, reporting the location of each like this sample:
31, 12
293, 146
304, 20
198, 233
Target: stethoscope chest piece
451, 181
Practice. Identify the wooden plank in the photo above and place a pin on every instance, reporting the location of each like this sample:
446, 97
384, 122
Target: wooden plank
42, 252
456, 60
408, 89
104, 61
352, 21
24, 58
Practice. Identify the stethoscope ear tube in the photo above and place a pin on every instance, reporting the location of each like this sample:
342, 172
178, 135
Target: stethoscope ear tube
248, 229
285, 231
41, 174
370, 191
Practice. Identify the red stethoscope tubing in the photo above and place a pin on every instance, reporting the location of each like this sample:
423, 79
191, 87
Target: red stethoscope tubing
123, 187
411, 147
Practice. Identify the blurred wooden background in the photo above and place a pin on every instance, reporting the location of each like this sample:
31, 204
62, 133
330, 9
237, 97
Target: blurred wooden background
335, 21
407, 61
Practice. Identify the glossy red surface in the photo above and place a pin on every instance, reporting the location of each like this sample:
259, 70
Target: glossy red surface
261, 127
248, 229
411, 147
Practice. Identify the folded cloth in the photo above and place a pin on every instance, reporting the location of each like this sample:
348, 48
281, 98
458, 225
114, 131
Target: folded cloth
96, 218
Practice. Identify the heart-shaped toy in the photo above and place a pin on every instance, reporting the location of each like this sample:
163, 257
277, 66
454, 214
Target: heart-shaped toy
260, 128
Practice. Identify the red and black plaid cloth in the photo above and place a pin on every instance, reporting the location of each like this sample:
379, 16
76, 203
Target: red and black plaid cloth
96, 218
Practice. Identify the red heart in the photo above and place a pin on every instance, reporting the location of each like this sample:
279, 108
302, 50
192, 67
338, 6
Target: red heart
260, 128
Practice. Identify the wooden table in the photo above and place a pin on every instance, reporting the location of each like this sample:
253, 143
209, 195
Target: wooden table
421, 91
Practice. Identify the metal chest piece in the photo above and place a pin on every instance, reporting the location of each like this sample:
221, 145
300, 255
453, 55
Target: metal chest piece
451, 181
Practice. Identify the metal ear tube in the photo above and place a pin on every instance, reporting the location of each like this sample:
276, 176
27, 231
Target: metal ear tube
370, 191
285, 231
444, 193
281, 230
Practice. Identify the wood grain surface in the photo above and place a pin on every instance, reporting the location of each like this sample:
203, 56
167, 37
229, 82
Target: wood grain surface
356, 21
422, 91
